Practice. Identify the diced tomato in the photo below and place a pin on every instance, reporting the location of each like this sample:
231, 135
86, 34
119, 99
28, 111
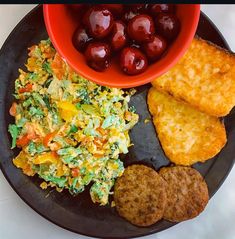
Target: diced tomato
48, 138
22, 141
31, 134
27, 88
102, 131
85, 141
12, 110
70, 73
55, 155
58, 66
99, 142
127, 116
31, 50
75, 172
48, 52
28, 170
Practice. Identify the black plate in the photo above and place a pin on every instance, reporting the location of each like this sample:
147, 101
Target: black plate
79, 214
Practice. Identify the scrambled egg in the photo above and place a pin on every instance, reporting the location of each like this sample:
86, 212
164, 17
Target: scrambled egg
70, 131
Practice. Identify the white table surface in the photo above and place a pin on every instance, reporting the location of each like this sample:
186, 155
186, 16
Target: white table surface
17, 220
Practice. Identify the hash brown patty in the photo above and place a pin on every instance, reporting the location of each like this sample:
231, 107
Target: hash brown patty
140, 195
187, 135
204, 78
187, 193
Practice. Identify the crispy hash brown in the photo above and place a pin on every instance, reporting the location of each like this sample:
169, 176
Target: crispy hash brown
187, 136
187, 193
204, 77
140, 195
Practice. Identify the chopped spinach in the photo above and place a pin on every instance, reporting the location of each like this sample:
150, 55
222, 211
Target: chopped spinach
84, 96
47, 82
13, 130
73, 129
132, 109
47, 102
35, 111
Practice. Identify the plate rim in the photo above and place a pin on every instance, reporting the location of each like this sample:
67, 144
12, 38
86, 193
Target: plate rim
61, 225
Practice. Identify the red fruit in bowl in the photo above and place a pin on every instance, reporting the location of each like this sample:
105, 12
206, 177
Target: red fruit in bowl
158, 8
97, 55
128, 15
141, 28
133, 10
99, 21
119, 37
167, 25
155, 47
80, 39
133, 61
116, 9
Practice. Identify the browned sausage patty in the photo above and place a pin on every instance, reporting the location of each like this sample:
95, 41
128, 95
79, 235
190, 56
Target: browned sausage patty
187, 193
140, 195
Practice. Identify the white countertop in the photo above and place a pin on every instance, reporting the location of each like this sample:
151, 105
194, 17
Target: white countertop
17, 220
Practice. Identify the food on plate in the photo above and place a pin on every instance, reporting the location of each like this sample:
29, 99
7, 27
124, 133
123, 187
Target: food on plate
187, 193
155, 9
119, 36
168, 25
203, 78
152, 27
155, 47
140, 195
133, 61
99, 21
187, 135
97, 55
141, 28
81, 39
70, 130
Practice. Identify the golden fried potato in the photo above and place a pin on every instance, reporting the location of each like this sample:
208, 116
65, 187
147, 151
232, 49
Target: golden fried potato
204, 78
187, 193
187, 136
140, 195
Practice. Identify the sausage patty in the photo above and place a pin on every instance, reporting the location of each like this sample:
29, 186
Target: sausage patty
187, 193
140, 195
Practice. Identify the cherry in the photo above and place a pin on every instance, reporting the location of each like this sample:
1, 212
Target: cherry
155, 47
118, 38
158, 8
167, 25
133, 61
128, 15
99, 21
141, 28
80, 39
133, 10
116, 9
97, 55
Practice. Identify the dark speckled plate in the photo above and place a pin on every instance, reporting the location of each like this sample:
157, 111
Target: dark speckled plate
79, 214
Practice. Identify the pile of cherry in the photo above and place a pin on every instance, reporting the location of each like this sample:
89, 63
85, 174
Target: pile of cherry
138, 34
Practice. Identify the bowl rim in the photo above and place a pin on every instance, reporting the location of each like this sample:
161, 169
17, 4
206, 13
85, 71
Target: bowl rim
130, 84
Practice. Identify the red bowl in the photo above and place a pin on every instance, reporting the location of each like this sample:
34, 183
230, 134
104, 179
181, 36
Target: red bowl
61, 23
